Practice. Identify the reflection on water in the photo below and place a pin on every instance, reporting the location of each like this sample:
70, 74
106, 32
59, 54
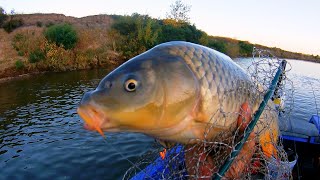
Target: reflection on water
41, 136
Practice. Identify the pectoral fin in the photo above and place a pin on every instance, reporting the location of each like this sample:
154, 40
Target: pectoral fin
166, 144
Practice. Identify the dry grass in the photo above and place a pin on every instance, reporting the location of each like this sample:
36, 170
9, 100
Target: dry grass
8, 55
7, 52
92, 50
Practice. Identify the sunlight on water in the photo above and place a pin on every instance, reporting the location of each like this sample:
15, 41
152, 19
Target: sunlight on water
305, 69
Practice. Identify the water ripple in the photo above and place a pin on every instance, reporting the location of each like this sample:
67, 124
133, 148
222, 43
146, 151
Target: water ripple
41, 135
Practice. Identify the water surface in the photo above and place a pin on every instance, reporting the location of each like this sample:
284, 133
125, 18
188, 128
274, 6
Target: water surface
41, 136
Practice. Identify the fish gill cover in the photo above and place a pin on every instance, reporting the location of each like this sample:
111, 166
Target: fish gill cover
262, 156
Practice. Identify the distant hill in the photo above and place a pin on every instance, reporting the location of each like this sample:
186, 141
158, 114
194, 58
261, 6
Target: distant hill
231, 47
96, 21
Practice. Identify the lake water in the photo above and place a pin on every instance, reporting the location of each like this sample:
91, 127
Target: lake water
41, 135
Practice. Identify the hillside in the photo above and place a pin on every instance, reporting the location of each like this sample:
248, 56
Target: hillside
232, 48
96, 21
93, 36
104, 41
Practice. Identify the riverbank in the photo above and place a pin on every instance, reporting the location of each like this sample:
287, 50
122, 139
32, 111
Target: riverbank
19, 76
102, 41
14, 74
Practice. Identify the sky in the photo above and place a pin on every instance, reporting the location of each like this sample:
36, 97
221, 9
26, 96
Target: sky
292, 25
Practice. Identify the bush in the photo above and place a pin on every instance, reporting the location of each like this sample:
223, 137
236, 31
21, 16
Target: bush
49, 24
20, 53
139, 33
218, 45
39, 23
3, 16
12, 25
18, 39
36, 56
183, 32
245, 48
62, 35
19, 64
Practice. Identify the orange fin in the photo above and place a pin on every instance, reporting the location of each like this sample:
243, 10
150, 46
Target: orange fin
163, 153
244, 117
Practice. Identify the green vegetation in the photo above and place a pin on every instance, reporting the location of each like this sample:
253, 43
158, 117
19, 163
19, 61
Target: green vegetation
39, 24
184, 32
19, 41
62, 35
12, 24
135, 34
20, 53
49, 24
217, 45
246, 48
19, 64
3, 16
36, 56
138, 33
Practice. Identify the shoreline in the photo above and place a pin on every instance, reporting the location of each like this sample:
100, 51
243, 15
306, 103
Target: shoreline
21, 76
11, 74
16, 75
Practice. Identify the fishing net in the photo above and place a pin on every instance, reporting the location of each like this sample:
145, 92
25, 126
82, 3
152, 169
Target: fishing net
206, 158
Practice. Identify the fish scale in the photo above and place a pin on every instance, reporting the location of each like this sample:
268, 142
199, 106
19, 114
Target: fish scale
216, 77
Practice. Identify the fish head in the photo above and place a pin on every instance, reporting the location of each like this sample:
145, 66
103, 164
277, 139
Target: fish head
153, 93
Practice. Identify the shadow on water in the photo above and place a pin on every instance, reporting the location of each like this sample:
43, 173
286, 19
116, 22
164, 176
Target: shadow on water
41, 135
29, 90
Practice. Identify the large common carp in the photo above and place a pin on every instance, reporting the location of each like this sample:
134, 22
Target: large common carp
175, 92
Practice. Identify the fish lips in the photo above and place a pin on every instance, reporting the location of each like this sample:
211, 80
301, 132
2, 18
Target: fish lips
94, 119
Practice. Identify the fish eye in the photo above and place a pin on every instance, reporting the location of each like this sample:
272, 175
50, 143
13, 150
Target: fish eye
130, 85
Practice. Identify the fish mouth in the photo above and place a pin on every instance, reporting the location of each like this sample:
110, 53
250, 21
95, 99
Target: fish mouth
94, 119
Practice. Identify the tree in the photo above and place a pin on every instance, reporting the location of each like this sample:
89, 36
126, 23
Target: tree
137, 33
62, 35
3, 16
12, 24
179, 12
218, 45
245, 48
36, 56
183, 32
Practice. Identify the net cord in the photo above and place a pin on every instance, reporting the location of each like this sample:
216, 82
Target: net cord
224, 168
